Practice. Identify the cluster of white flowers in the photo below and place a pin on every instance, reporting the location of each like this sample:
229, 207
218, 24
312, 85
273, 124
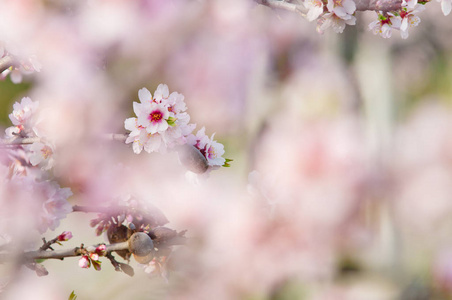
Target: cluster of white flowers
162, 123
402, 20
25, 121
28, 164
20, 66
339, 13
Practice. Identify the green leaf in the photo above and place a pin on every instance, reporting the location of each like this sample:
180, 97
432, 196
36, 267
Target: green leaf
226, 163
72, 296
96, 265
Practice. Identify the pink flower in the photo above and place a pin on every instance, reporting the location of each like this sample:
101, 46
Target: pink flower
23, 111
101, 250
56, 207
94, 256
65, 236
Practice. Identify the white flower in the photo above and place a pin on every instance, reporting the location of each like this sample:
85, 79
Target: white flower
144, 95
55, 207
343, 9
175, 104
22, 67
446, 6
161, 121
153, 117
23, 111
409, 20
161, 93
331, 20
41, 154
137, 135
210, 149
384, 25
315, 9
410, 4
214, 153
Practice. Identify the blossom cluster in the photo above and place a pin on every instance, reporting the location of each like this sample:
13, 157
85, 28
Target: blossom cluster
20, 66
30, 165
339, 13
402, 20
162, 124
91, 257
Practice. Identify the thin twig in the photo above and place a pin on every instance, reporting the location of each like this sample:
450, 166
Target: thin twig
30, 140
77, 251
20, 141
113, 262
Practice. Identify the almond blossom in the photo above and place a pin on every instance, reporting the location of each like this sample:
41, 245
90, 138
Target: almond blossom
332, 20
409, 19
23, 111
210, 149
41, 154
411, 4
343, 9
384, 25
161, 121
55, 207
315, 9
22, 66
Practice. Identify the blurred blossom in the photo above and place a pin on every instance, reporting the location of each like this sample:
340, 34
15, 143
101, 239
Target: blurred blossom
423, 169
304, 194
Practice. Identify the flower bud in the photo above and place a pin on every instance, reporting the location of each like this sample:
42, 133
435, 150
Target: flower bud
192, 159
66, 235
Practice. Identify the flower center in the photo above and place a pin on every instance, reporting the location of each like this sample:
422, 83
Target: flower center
46, 152
212, 153
155, 116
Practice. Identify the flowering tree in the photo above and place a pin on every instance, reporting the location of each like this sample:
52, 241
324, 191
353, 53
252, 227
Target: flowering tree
338, 188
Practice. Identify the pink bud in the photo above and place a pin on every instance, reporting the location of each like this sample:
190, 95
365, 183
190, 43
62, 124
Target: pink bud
94, 256
101, 250
66, 235
84, 262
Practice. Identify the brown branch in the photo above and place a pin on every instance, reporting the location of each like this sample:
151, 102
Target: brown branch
378, 5
20, 141
16, 140
77, 251
361, 5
